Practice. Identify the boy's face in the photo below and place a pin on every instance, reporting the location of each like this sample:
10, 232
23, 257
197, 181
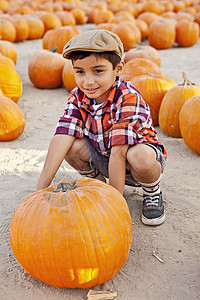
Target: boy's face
95, 76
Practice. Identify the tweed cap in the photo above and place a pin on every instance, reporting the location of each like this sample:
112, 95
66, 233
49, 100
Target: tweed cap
94, 41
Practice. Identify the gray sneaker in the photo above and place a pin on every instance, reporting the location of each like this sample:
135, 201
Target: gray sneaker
153, 209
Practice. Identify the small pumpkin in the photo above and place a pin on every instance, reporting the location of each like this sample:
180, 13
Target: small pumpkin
50, 21
21, 26
7, 61
36, 27
187, 33
10, 82
12, 120
45, 68
172, 104
8, 49
149, 17
162, 34
129, 34
189, 122
80, 237
66, 18
7, 30
80, 16
68, 76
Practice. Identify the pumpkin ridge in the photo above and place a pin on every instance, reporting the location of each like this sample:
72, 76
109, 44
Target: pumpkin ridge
52, 248
89, 231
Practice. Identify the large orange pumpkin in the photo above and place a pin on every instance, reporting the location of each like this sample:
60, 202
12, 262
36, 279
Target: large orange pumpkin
189, 121
10, 82
172, 104
153, 87
45, 68
12, 120
76, 234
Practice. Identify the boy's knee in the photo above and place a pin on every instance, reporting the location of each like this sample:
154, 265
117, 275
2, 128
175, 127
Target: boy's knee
78, 150
141, 158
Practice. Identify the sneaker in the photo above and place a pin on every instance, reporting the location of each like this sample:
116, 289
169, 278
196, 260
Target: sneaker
153, 209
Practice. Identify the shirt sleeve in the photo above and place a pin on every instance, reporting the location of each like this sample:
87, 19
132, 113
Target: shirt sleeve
71, 122
132, 123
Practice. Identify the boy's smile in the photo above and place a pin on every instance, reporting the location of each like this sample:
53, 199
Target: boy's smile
95, 76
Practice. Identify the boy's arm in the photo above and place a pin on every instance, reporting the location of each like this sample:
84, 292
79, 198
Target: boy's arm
117, 167
58, 148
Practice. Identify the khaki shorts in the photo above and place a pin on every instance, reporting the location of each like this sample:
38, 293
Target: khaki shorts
100, 161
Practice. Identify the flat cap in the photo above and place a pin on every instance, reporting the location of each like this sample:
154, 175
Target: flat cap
94, 41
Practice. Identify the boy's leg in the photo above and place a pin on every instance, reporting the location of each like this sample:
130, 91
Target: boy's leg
79, 158
146, 165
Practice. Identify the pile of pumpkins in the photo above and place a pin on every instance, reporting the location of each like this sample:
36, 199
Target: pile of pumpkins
12, 120
163, 23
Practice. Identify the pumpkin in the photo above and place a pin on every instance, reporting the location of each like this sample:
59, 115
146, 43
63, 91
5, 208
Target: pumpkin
10, 82
45, 68
172, 103
189, 122
149, 17
7, 30
21, 26
142, 25
36, 27
129, 34
162, 34
66, 18
107, 26
139, 66
4, 4
59, 37
50, 20
7, 61
76, 234
103, 16
153, 88
153, 6
80, 16
187, 33
143, 51
12, 120
8, 49
68, 76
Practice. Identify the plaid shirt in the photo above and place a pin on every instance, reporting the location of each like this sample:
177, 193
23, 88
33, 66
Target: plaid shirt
124, 118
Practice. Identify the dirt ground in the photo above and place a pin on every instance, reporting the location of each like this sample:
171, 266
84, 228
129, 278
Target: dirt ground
176, 241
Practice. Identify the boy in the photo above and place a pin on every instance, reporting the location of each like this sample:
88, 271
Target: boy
106, 129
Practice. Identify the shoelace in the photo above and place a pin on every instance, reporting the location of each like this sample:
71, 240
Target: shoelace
151, 200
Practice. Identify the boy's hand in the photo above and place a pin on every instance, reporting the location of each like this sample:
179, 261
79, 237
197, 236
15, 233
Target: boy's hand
58, 148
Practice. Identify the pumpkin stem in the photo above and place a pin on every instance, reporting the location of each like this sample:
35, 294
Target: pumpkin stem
186, 80
54, 49
64, 186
